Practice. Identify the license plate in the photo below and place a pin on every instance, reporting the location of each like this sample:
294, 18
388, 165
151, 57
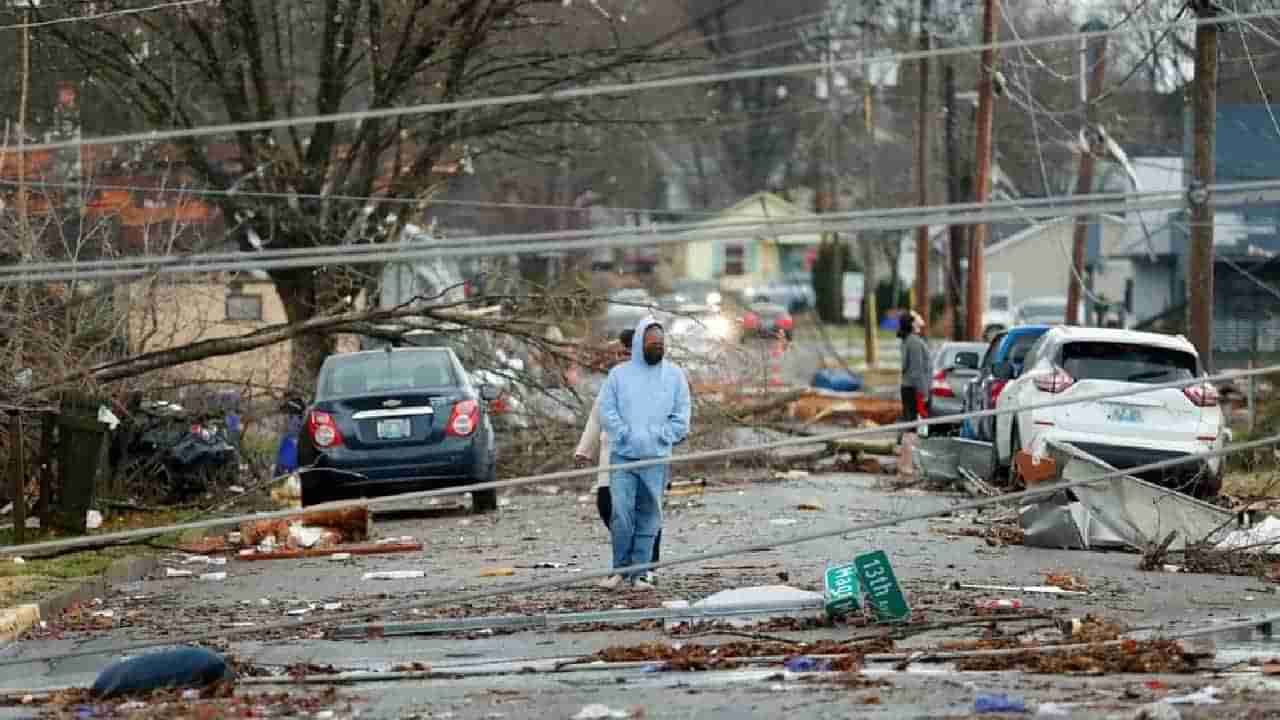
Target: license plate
1124, 415
394, 429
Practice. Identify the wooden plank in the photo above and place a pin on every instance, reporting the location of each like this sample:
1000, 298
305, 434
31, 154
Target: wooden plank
383, 549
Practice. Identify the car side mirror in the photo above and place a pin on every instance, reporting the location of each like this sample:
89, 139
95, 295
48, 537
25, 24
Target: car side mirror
488, 392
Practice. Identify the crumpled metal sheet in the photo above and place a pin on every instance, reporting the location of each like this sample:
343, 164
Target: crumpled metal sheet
1132, 513
940, 458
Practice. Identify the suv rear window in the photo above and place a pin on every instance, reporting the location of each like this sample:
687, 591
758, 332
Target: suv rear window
1126, 363
385, 372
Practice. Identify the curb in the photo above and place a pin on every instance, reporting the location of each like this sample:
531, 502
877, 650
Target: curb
17, 620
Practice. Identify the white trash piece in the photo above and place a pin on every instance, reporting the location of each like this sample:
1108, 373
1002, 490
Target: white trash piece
108, 418
340, 557
395, 575
600, 712
93, 519
214, 577
304, 536
1263, 537
170, 572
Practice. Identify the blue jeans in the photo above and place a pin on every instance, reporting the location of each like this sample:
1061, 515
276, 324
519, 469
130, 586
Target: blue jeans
637, 513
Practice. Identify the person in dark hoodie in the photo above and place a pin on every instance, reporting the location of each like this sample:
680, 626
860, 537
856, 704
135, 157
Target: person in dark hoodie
645, 411
917, 371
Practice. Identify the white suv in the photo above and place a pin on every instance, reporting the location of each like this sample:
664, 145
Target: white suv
1124, 431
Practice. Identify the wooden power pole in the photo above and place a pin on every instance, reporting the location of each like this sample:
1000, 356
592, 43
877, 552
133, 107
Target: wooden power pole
1094, 63
955, 233
1200, 261
922, 166
977, 285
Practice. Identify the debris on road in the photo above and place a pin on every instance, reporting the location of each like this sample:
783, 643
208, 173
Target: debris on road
348, 525
497, 572
1127, 656
338, 552
184, 668
395, 575
1034, 589
813, 506
990, 704
600, 712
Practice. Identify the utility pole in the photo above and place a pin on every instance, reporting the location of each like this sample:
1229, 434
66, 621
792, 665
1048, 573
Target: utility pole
977, 301
870, 314
1093, 54
955, 233
1200, 261
922, 165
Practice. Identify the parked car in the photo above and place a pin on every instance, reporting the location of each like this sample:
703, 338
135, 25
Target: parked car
767, 320
1044, 311
793, 291
1125, 431
397, 420
956, 364
697, 292
1001, 363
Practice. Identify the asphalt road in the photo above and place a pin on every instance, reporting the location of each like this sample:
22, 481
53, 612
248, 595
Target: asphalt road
564, 528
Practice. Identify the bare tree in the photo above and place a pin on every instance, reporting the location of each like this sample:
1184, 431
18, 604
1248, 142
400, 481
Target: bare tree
243, 61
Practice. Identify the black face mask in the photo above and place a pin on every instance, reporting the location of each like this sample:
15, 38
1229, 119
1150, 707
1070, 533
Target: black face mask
653, 356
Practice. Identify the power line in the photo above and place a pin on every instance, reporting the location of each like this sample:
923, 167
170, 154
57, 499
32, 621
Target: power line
31, 4
600, 90
1233, 194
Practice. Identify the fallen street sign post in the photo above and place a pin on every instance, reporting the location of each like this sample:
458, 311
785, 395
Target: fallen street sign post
881, 587
841, 590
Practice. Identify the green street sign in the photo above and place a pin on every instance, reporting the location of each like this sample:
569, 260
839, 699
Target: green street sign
841, 590
881, 587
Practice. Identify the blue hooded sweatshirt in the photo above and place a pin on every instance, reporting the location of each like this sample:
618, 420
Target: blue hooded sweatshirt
644, 408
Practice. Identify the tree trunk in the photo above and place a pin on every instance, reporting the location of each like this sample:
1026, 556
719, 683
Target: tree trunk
298, 294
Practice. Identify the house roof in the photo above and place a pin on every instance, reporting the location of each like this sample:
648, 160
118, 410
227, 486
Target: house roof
1034, 230
764, 206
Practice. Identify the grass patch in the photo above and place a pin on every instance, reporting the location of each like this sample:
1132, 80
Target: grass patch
38, 577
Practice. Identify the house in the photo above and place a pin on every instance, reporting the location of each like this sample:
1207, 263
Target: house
1039, 259
1246, 244
754, 258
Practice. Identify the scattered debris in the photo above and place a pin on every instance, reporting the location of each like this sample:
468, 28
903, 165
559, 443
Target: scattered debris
344, 551
600, 712
497, 572
1129, 656
1066, 582
347, 525
812, 506
93, 520
214, 577
1263, 537
984, 704
1034, 589
395, 575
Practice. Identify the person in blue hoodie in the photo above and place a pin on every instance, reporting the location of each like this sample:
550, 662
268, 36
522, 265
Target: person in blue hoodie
644, 407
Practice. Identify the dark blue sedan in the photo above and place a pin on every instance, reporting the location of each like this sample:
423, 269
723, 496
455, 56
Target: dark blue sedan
396, 420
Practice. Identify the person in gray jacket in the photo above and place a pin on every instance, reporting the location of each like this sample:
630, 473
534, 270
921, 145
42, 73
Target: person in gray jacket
917, 368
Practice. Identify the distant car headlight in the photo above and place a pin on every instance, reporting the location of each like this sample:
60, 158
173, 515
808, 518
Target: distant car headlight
713, 298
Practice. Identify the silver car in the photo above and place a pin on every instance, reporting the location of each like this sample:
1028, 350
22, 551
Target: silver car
955, 365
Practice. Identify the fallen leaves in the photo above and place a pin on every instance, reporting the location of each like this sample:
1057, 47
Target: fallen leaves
1132, 656
694, 657
1066, 581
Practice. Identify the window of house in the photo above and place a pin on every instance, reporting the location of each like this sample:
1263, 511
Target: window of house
244, 307
735, 260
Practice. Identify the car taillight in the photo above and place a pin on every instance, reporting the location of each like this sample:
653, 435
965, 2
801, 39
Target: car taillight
1055, 382
940, 387
323, 430
750, 321
1204, 395
997, 387
464, 420
785, 322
